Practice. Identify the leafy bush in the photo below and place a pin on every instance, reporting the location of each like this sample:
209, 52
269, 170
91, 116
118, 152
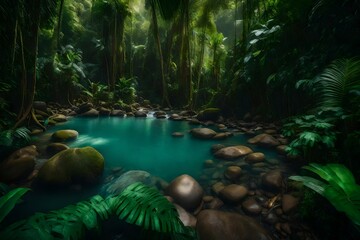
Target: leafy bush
126, 89
339, 188
310, 134
138, 204
13, 139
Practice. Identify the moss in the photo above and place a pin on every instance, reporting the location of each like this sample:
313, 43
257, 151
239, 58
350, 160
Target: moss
75, 165
64, 135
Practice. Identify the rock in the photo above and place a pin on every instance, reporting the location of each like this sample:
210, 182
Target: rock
270, 131
177, 134
233, 152
64, 135
216, 203
209, 163
221, 136
117, 113
271, 218
54, 148
281, 149
272, 180
203, 133
289, 203
140, 114
186, 218
255, 157
130, 114
217, 187
104, 111
75, 165
85, 107
186, 192
233, 193
91, 113
40, 105
175, 117
126, 179
159, 113
208, 199
194, 121
233, 172
216, 147
264, 140
18, 165
209, 114
217, 225
59, 118
251, 207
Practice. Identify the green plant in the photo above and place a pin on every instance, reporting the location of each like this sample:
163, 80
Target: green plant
96, 92
338, 86
138, 204
339, 188
13, 139
310, 134
125, 89
9, 200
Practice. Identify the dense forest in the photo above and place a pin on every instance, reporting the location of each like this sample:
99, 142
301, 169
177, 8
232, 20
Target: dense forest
285, 63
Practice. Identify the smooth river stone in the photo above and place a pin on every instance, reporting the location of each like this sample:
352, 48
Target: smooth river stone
233, 152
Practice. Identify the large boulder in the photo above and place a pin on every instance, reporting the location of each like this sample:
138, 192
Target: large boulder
64, 135
209, 114
126, 179
203, 133
75, 165
18, 165
264, 140
186, 192
233, 152
217, 225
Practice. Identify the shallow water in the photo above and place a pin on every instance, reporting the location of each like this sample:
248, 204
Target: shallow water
131, 143
145, 144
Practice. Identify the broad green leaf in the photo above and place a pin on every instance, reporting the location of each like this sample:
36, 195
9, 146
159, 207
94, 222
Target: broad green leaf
8, 201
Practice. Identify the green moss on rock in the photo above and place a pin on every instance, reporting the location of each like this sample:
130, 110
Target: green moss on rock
75, 165
64, 135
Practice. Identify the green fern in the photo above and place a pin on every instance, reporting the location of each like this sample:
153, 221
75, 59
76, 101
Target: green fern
340, 188
138, 204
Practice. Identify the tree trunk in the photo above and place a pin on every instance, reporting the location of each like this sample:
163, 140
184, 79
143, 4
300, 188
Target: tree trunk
30, 56
165, 98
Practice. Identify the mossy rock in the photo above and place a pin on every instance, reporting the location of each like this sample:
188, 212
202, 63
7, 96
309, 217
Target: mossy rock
64, 135
209, 114
75, 165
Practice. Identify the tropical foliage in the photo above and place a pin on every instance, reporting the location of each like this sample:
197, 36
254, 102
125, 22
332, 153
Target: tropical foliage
9, 200
138, 204
339, 188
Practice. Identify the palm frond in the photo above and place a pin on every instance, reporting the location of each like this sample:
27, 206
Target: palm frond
337, 81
